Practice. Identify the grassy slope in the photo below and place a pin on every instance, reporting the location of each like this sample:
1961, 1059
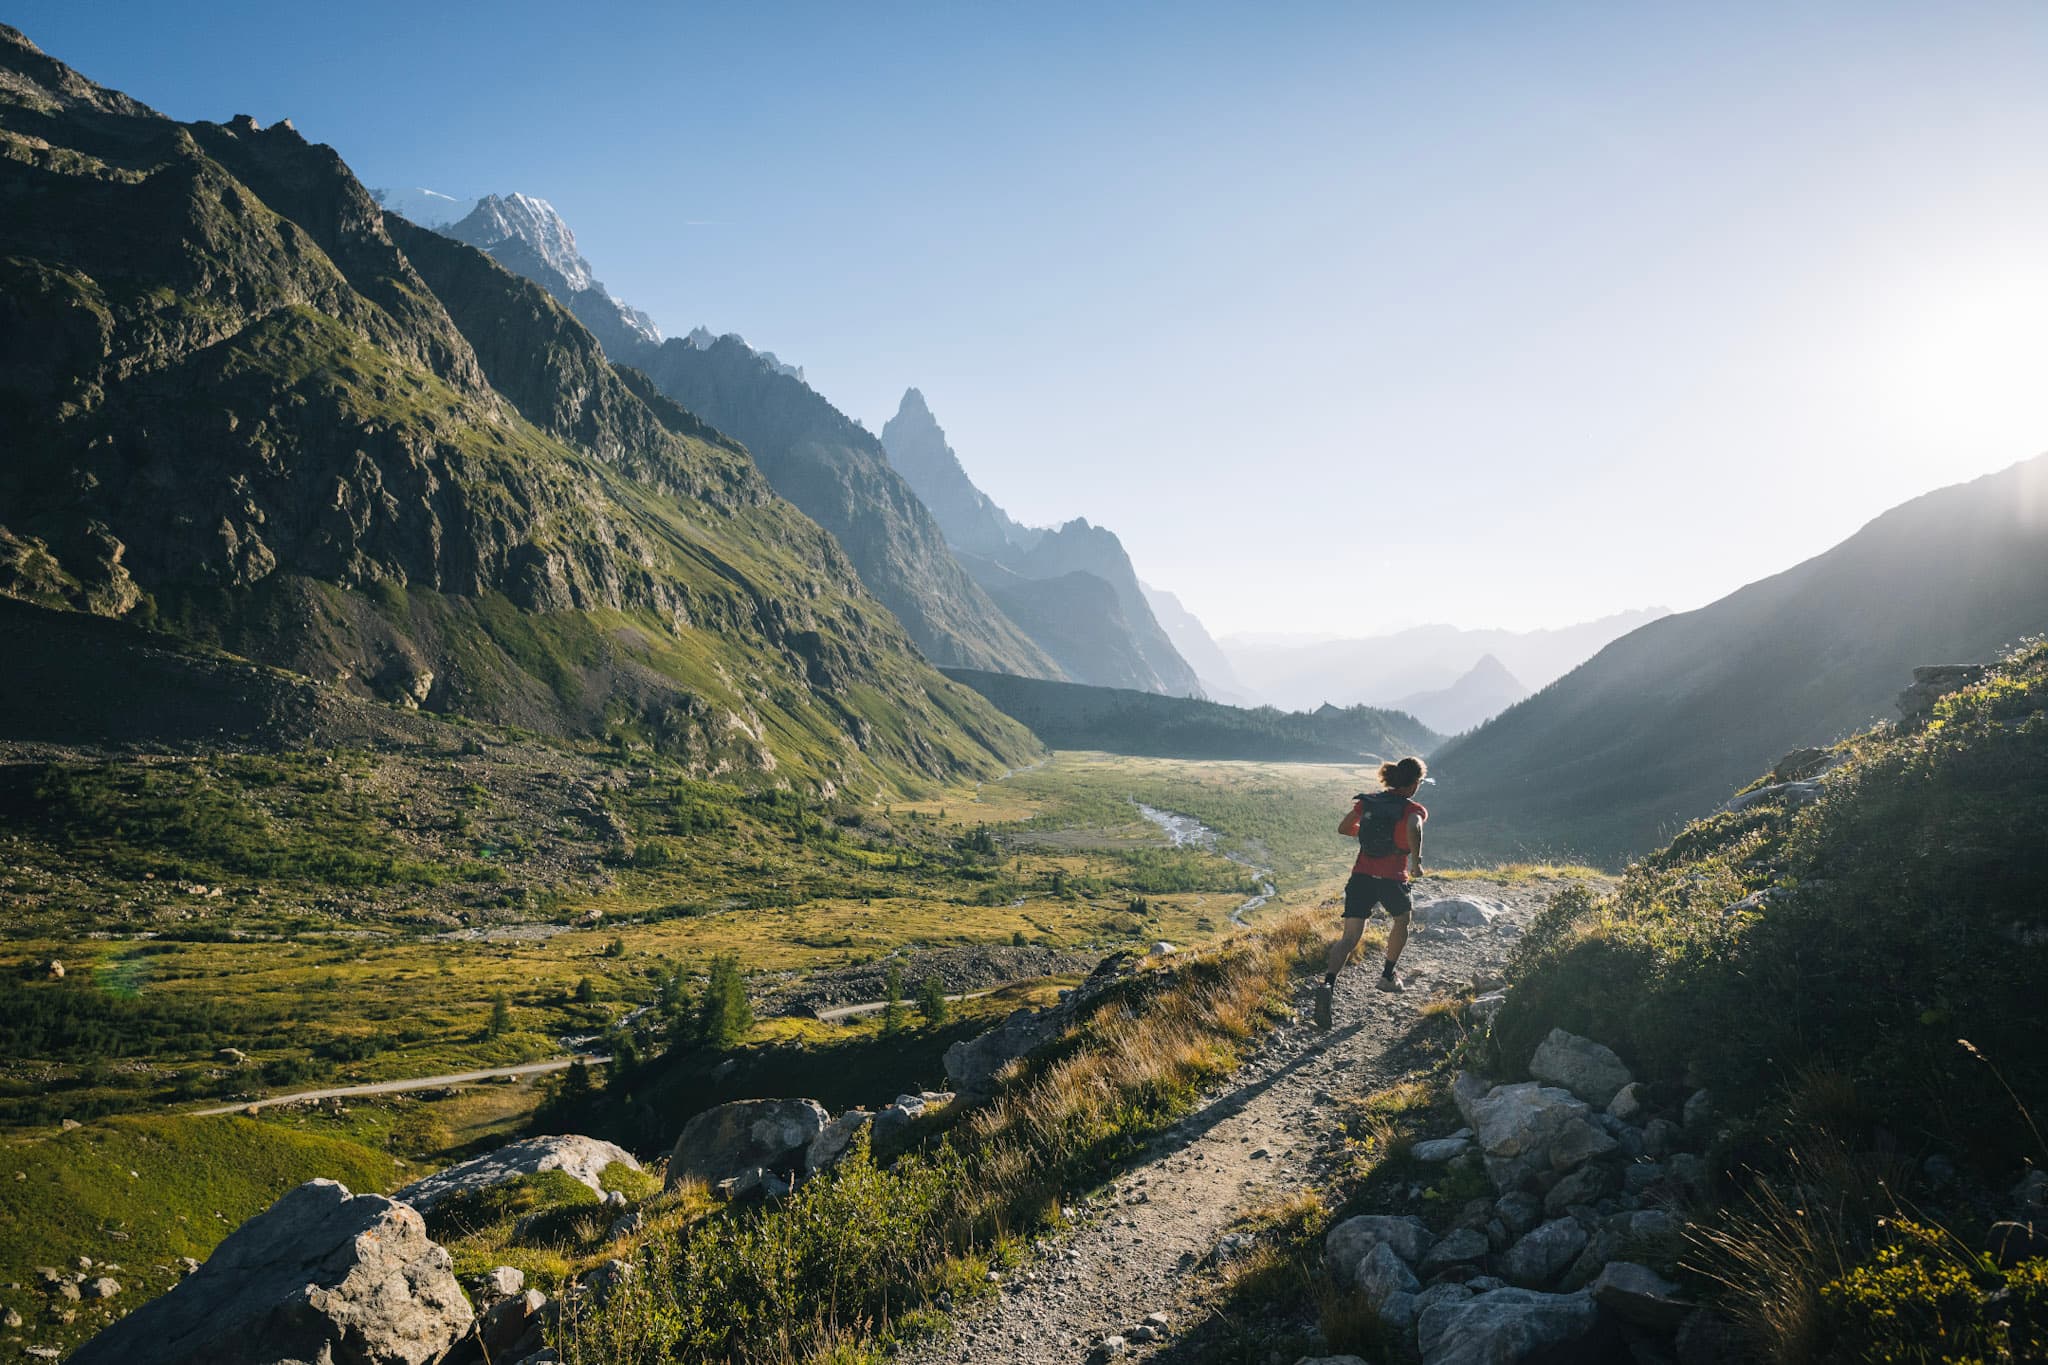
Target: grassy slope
1903, 912
169, 1187
1613, 759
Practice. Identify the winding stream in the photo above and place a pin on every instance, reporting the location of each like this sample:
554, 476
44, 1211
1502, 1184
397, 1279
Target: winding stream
1185, 830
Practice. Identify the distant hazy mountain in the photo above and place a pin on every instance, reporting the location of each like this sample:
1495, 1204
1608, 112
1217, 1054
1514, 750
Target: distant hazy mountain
428, 208
1659, 726
1123, 647
1380, 668
827, 464
1192, 639
1127, 721
527, 237
1484, 692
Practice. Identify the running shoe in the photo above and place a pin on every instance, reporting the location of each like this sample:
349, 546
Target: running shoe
1324, 995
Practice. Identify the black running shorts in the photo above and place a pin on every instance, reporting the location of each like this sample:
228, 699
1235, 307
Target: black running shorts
1363, 895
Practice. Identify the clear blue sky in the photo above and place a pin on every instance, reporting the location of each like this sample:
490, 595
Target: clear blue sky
1572, 307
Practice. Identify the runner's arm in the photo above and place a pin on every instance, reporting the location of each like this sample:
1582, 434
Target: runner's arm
1414, 847
1349, 827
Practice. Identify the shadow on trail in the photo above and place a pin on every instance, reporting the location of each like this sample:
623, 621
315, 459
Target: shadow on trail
1234, 1101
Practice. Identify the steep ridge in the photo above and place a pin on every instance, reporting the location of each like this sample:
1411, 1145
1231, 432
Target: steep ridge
830, 466
1657, 727
1024, 568
1131, 721
240, 411
811, 453
1484, 692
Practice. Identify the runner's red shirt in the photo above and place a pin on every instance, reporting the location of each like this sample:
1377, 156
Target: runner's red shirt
1394, 866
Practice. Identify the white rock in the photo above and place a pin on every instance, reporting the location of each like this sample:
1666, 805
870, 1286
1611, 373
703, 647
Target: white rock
1627, 1103
1588, 1069
584, 1158
1469, 912
1439, 1150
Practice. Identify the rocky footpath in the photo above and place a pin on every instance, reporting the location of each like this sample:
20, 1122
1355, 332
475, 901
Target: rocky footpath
1134, 1270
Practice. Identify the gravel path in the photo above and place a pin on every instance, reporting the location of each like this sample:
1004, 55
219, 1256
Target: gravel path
1258, 1137
337, 1092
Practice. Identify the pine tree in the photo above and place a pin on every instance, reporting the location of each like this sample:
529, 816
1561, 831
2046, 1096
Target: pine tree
895, 1018
501, 1017
931, 1001
724, 1016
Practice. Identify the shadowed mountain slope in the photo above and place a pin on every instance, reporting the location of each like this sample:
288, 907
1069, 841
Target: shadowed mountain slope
1126, 721
240, 405
1659, 726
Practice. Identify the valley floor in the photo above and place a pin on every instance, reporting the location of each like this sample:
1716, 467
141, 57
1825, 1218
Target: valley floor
1154, 1241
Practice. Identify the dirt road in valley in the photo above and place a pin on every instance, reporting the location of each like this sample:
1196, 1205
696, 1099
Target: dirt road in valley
337, 1092
1260, 1136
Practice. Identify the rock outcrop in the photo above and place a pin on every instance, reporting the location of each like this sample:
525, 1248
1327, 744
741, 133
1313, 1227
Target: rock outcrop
582, 1157
323, 1277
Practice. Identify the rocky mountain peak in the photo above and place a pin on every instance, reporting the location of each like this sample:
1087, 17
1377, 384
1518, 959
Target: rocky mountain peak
531, 220
30, 77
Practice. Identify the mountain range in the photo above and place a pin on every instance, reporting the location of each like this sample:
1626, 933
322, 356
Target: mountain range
1378, 670
245, 407
1660, 725
960, 607
974, 587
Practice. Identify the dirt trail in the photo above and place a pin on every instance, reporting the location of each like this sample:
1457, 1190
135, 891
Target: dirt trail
1256, 1138
337, 1092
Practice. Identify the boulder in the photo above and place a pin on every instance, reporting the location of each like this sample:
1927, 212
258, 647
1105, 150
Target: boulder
321, 1276
1640, 1295
1388, 1285
1485, 1007
1544, 1253
1699, 1110
1505, 1326
1517, 1120
833, 1139
730, 1140
1649, 1237
1461, 1246
1588, 1069
1583, 1186
1519, 1210
582, 1157
1466, 912
1348, 1244
1579, 1142
972, 1063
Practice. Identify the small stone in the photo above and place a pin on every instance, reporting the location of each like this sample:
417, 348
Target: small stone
1142, 1333
501, 1283
101, 1288
83, 1263
10, 1319
1157, 1320
1699, 1110
1261, 1154
1627, 1103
